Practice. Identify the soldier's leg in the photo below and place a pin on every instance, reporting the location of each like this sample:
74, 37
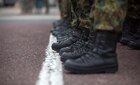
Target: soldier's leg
65, 14
60, 3
67, 10
134, 18
108, 17
65, 17
58, 22
75, 33
47, 5
74, 11
81, 20
134, 13
84, 8
133, 9
129, 27
26, 6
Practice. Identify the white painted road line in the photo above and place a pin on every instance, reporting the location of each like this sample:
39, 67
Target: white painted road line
51, 72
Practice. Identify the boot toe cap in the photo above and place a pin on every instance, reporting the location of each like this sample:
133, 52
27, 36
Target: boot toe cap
55, 47
134, 45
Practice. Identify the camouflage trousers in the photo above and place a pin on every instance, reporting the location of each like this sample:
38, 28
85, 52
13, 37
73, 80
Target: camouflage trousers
81, 12
60, 7
99, 14
65, 9
133, 9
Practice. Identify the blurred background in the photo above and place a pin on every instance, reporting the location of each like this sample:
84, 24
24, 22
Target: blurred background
28, 7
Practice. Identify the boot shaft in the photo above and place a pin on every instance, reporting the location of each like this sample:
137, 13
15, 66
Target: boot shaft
92, 39
106, 42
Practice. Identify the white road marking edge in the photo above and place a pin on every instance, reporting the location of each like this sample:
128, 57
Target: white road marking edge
51, 72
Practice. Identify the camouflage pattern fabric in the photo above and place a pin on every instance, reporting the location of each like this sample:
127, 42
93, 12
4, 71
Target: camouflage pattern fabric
109, 14
134, 9
66, 10
100, 14
81, 11
74, 13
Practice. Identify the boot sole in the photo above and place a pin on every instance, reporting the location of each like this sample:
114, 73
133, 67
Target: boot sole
134, 47
101, 69
63, 59
124, 42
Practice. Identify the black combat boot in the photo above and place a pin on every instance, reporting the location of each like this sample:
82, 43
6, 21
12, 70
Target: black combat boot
73, 47
74, 54
67, 42
65, 34
128, 31
69, 32
103, 58
135, 42
78, 44
85, 47
61, 29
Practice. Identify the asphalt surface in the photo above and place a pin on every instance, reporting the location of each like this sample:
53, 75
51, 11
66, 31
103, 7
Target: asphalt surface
22, 51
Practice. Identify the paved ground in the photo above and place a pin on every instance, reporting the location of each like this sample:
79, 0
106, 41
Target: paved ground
22, 51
